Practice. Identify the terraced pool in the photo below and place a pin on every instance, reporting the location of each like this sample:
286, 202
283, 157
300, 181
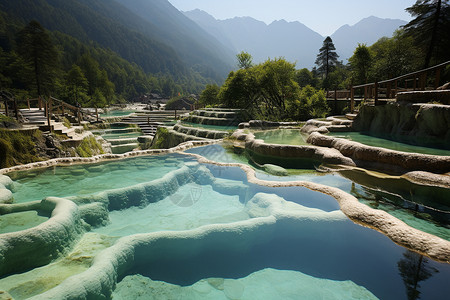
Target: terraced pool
406, 144
282, 136
177, 228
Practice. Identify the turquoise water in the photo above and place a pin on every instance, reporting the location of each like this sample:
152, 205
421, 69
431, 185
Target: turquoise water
282, 136
21, 221
407, 145
117, 113
210, 127
430, 215
332, 255
80, 180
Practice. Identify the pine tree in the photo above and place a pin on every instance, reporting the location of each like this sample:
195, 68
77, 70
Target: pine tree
431, 28
327, 57
38, 51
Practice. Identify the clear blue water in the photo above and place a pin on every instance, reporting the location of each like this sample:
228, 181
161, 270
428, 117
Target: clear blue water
282, 136
405, 144
430, 215
80, 180
335, 250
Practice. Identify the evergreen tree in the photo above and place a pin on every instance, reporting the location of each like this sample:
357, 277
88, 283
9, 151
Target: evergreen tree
244, 60
431, 28
77, 83
38, 51
327, 58
360, 63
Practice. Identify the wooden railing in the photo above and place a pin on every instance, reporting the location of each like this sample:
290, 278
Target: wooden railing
50, 106
389, 88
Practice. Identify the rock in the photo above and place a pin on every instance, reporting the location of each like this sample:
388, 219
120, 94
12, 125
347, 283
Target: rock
275, 170
95, 214
6, 181
6, 195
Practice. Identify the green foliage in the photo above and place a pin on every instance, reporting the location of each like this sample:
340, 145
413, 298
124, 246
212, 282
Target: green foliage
270, 91
39, 53
77, 84
18, 147
395, 56
327, 58
66, 122
244, 60
89, 147
311, 103
304, 77
104, 69
161, 138
361, 63
430, 29
209, 96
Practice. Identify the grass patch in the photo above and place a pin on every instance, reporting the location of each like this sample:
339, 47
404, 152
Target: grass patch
161, 137
89, 147
66, 122
18, 147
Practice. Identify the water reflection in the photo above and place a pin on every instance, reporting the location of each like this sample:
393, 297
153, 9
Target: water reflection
414, 268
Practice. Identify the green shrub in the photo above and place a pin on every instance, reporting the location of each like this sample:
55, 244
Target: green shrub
312, 103
66, 122
161, 137
18, 147
89, 147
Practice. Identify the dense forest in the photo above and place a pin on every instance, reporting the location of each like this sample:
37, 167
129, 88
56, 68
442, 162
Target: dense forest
100, 53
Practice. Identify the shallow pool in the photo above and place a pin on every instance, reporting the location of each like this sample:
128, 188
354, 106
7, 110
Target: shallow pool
405, 144
282, 136
214, 235
425, 213
21, 220
88, 179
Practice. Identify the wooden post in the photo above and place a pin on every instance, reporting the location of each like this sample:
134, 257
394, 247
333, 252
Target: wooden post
40, 102
50, 106
395, 89
28, 102
376, 93
352, 99
335, 100
79, 116
96, 112
16, 110
437, 78
175, 114
6, 106
48, 116
62, 109
388, 92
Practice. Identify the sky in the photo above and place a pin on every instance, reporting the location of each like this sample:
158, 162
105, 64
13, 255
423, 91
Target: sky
322, 16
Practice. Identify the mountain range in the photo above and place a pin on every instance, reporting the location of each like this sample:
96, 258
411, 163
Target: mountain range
291, 40
152, 34
161, 40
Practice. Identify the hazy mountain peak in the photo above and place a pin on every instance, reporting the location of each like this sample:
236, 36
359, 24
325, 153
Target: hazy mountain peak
293, 40
366, 31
